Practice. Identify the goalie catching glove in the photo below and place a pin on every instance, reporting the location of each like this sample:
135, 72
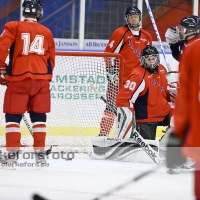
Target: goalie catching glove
113, 75
172, 35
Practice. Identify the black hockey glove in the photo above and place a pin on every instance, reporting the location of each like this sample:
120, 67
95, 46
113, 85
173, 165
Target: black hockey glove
174, 155
113, 75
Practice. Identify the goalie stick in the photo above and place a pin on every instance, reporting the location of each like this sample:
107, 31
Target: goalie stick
104, 100
135, 135
31, 132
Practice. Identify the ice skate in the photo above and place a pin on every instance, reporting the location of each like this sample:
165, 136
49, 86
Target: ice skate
188, 166
174, 170
40, 158
10, 160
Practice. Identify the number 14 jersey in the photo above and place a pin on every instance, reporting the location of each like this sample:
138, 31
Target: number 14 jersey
32, 50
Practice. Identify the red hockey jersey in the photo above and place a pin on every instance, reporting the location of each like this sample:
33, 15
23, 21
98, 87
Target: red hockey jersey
147, 93
124, 42
32, 50
187, 104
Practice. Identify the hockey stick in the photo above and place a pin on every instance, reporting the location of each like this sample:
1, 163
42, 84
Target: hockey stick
128, 182
102, 97
31, 132
135, 135
157, 34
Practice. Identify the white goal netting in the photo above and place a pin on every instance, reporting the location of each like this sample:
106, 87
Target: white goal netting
76, 110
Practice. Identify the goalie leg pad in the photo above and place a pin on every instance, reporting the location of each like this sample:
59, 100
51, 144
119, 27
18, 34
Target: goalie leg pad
125, 122
120, 149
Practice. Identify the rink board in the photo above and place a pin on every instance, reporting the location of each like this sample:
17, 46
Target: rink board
75, 131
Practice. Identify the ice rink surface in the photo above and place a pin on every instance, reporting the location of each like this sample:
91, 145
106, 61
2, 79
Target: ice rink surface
85, 179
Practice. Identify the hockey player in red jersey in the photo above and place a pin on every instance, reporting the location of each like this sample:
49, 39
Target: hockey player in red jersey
175, 36
184, 139
128, 41
143, 100
31, 63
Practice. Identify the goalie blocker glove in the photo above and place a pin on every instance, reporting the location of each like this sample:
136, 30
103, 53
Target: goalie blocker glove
112, 74
172, 35
174, 155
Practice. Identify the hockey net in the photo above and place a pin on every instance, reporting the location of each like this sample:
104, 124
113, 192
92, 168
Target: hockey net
76, 110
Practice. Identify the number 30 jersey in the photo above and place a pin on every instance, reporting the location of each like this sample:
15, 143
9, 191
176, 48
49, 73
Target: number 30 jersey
147, 93
32, 50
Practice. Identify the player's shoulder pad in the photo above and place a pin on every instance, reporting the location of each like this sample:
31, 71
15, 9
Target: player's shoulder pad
121, 30
138, 73
161, 67
12, 24
146, 33
44, 27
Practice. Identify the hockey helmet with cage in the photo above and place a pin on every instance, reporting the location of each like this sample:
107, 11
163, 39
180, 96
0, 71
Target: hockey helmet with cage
191, 25
149, 59
133, 10
33, 7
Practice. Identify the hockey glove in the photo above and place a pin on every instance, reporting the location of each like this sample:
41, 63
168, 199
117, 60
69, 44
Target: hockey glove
172, 35
3, 69
174, 155
172, 93
113, 75
3, 81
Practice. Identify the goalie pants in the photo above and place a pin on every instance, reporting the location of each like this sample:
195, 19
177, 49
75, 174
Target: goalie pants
148, 129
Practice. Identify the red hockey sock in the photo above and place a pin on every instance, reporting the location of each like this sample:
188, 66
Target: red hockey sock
39, 135
13, 136
107, 122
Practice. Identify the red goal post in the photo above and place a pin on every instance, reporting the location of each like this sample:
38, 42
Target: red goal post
76, 110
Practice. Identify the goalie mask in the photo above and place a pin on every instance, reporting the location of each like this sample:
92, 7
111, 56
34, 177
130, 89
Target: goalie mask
133, 10
33, 7
191, 26
149, 59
